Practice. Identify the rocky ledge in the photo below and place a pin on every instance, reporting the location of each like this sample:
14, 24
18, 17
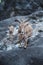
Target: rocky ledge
33, 54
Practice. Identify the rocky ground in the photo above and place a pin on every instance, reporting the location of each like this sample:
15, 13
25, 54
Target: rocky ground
33, 54
31, 10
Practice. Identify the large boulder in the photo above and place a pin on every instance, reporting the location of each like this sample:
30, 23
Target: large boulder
33, 54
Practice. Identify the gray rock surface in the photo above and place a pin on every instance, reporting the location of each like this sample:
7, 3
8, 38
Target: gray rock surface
33, 54
19, 7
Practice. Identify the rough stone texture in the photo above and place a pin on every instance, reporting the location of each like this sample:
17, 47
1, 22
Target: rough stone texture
40, 2
33, 54
19, 7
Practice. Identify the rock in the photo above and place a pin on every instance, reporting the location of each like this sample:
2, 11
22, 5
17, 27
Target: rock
30, 56
13, 8
33, 54
40, 2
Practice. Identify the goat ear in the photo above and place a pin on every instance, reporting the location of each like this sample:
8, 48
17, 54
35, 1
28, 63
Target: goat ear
20, 25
